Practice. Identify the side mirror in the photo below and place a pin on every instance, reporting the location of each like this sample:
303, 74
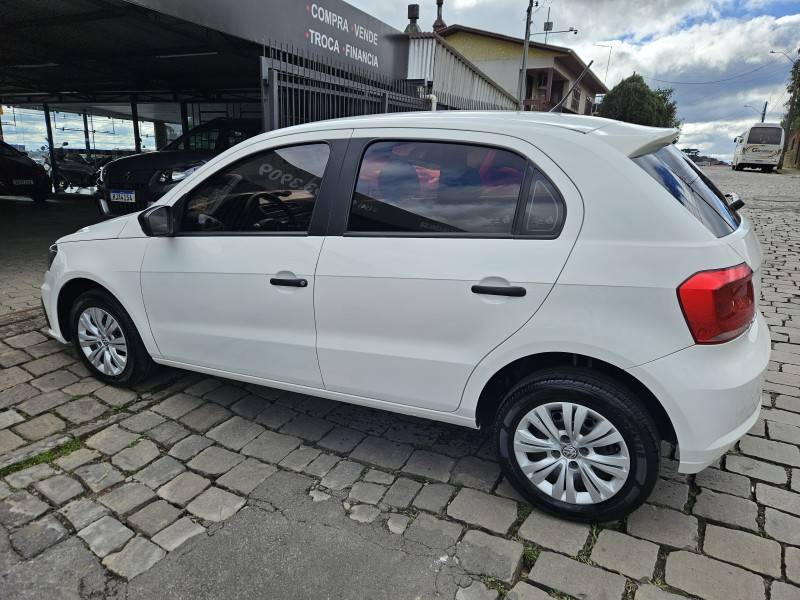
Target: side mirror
158, 221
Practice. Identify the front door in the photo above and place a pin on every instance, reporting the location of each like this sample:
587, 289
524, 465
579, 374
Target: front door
447, 249
234, 289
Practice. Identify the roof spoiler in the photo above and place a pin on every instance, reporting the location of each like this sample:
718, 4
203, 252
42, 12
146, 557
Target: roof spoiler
635, 140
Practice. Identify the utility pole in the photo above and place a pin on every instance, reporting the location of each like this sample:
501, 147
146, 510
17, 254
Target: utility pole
523, 74
764, 112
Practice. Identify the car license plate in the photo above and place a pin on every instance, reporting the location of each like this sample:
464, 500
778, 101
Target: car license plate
22, 181
123, 196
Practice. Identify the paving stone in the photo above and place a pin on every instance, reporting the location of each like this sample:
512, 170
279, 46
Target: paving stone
42, 403
341, 439
728, 509
663, 526
25, 477
105, 536
190, 446
83, 512
114, 396
168, 433
484, 510
81, 410
225, 395
711, 579
24, 340
788, 454
205, 416
554, 533
135, 558
476, 591
59, 489
9, 418
299, 459
381, 452
40, 427
308, 428
784, 433
126, 498
215, 505
20, 508
12, 358
9, 441
135, 457
246, 476
83, 388
176, 534
204, 386
625, 554
141, 422
670, 493
275, 416
13, 376
397, 523
433, 533
377, 476
250, 406
784, 591
475, 473
16, 394
782, 527
524, 591
363, 513
159, 472
215, 461
368, 493
271, 447
429, 465
756, 469
485, 554
651, 592
722, 481
575, 578
793, 564
178, 405
53, 381
343, 475
183, 488
434, 497
40, 366
401, 492
778, 498
321, 465
154, 517
5, 490
744, 549
111, 440
36, 537
98, 476
235, 433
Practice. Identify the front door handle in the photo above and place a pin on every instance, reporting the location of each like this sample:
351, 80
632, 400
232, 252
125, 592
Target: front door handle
499, 290
294, 282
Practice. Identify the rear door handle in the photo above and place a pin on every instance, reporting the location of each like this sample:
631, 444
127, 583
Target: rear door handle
499, 290
295, 282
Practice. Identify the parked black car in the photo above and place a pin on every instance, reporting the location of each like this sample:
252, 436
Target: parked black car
72, 170
21, 176
134, 182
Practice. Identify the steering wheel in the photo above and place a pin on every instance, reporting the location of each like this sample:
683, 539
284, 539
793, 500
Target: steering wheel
272, 199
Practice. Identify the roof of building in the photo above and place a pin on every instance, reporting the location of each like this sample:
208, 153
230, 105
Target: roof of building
575, 61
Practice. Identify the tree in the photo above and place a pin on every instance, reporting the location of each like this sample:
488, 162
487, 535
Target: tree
633, 101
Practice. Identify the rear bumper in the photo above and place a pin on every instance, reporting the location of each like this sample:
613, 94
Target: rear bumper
712, 393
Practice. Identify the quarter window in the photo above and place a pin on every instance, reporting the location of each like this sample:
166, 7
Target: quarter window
273, 191
436, 187
544, 210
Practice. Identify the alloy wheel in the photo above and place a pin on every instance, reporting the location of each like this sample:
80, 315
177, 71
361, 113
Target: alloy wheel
102, 341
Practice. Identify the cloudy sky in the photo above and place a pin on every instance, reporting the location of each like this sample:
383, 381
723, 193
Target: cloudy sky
680, 41
714, 53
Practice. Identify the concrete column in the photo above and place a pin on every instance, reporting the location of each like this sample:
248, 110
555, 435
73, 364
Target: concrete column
137, 140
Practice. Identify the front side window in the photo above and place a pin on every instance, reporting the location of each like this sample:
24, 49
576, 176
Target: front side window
436, 187
273, 191
765, 135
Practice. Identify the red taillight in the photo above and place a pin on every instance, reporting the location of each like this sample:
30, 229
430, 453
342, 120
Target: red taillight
718, 305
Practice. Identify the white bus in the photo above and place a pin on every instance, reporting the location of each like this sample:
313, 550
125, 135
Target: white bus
759, 147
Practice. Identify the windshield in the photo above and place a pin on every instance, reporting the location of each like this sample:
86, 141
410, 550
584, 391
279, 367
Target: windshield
689, 186
765, 135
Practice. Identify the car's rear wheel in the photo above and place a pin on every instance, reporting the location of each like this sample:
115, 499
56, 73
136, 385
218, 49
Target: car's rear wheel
577, 444
107, 340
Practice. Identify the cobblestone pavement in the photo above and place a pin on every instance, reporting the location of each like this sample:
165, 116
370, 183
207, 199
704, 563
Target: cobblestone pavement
197, 487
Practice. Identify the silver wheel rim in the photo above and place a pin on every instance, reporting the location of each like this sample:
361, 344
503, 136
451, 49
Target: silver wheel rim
102, 341
571, 453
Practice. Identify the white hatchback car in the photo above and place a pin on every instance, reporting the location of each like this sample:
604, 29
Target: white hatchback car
572, 284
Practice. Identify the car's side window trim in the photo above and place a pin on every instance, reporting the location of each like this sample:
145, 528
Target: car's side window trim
322, 203
348, 180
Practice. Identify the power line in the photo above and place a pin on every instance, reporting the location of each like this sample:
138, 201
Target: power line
709, 82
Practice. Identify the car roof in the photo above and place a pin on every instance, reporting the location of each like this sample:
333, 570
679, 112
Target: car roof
630, 139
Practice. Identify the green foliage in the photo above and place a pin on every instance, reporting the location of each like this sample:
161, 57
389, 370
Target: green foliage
633, 101
47, 456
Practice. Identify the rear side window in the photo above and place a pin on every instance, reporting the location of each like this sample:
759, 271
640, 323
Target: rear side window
437, 187
765, 135
687, 184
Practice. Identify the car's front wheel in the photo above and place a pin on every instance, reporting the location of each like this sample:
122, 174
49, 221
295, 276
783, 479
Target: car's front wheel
107, 340
578, 444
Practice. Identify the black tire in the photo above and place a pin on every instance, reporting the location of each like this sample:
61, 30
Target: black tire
767, 169
139, 365
600, 393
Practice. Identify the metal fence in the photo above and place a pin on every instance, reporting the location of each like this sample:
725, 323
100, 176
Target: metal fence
300, 88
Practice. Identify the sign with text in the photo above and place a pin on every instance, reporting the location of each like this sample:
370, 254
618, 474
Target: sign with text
329, 27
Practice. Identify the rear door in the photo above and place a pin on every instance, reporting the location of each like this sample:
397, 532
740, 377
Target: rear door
439, 249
